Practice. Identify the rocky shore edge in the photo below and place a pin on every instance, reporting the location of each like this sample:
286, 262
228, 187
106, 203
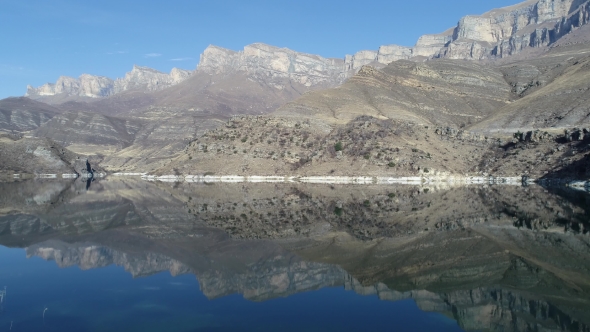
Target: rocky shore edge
450, 180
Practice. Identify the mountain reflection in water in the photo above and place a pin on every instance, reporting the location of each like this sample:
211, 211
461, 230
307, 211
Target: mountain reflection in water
491, 258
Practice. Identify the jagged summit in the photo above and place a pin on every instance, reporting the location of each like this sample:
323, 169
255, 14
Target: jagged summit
495, 34
93, 86
271, 62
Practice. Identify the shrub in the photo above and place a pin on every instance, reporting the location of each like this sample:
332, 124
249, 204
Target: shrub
367, 203
244, 139
391, 164
391, 195
366, 156
338, 146
338, 211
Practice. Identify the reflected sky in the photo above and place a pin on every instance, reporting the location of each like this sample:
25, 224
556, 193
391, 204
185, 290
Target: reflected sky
109, 298
138, 256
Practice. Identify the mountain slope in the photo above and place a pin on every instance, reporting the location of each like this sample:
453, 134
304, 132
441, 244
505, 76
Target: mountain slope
84, 132
499, 33
23, 114
442, 92
88, 87
555, 89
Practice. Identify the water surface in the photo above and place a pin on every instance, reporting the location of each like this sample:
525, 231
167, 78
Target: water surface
129, 255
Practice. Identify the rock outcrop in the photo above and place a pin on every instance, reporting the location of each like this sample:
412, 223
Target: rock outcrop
91, 86
35, 156
267, 63
496, 34
148, 79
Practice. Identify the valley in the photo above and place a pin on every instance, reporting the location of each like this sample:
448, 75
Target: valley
500, 94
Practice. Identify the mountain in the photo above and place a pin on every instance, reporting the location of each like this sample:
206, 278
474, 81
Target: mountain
256, 80
23, 114
528, 73
85, 132
261, 66
498, 33
441, 92
553, 91
89, 86
547, 91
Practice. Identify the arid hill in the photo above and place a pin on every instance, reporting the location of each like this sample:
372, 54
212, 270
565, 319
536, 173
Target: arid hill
23, 114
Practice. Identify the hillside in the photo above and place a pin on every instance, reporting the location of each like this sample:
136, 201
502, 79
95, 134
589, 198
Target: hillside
439, 92
371, 146
23, 114
34, 156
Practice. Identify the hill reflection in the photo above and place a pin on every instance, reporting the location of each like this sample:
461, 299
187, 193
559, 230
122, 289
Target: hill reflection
495, 258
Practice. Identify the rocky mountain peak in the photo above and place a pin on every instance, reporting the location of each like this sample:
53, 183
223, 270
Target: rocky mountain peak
495, 34
261, 61
91, 86
149, 79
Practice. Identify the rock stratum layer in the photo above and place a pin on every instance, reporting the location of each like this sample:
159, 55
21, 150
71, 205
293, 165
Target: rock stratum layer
154, 116
267, 63
91, 86
496, 34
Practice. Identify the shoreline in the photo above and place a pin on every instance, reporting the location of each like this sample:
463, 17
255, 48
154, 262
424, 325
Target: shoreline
364, 180
434, 180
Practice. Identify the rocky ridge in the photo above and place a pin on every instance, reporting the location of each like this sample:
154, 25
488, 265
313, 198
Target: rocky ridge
267, 63
496, 34
91, 86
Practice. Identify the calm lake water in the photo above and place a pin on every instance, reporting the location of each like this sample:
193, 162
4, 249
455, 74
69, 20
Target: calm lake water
129, 255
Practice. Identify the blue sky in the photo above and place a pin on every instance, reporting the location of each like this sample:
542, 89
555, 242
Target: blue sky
41, 40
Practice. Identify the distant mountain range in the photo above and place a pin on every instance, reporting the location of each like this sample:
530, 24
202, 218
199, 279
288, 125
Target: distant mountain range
496, 34
527, 69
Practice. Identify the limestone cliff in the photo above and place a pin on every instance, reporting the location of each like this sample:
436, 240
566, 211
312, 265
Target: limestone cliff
91, 86
496, 34
268, 63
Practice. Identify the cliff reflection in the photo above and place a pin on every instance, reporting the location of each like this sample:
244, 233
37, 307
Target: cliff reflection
509, 259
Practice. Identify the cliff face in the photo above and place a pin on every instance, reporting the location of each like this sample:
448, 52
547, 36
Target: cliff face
498, 33
90, 86
495, 34
268, 63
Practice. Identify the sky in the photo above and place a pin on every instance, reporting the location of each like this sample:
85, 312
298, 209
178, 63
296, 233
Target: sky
41, 40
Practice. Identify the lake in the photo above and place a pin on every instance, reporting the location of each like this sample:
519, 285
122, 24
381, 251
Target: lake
121, 254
